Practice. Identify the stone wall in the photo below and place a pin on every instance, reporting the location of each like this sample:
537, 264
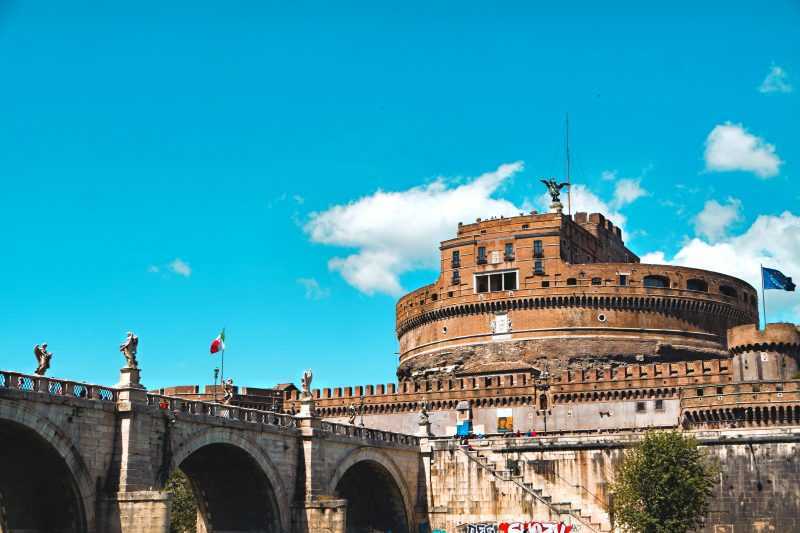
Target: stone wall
758, 487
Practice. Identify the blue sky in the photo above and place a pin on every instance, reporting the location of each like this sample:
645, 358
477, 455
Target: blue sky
285, 170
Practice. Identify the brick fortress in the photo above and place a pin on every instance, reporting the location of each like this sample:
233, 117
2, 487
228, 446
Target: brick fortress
549, 323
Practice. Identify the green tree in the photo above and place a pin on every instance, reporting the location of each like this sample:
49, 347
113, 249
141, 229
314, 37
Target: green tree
183, 515
663, 485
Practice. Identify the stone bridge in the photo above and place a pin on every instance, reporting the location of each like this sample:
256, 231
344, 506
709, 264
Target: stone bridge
82, 458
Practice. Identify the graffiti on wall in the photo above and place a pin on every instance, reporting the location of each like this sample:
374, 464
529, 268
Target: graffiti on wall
534, 527
479, 528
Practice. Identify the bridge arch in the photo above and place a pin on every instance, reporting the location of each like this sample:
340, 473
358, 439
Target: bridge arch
244, 469
34, 442
376, 475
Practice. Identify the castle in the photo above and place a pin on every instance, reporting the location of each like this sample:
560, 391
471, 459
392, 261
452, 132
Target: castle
549, 323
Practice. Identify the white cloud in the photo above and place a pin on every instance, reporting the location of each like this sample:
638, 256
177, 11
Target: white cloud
731, 147
313, 289
153, 269
715, 218
608, 175
777, 81
773, 241
180, 267
395, 232
627, 191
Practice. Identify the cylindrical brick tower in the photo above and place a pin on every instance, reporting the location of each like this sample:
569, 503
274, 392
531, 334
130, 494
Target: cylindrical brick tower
516, 294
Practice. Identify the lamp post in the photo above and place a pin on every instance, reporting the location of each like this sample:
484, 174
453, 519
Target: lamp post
216, 375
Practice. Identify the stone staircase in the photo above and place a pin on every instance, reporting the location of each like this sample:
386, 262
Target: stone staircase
588, 520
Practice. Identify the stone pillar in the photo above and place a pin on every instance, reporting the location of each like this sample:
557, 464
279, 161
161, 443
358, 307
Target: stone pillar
317, 511
135, 507
424, 483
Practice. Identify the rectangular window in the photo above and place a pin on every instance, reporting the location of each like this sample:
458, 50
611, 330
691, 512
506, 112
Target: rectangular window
456, 277
659, 405
481, 255
700, 392
538, 251
456, 262
509, 251
597, 281
538, 267
545, 284
641, 407
496, 281
623, 279
720, 391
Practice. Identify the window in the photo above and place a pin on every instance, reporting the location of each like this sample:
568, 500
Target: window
538, 267
456, 277
623, 280
496, 282
450, 294
597, 281
481, 255
656, 282
700, 392
697, 285
720, 391
641, 407
509, 252
727, 291
434, 297
456, 259
659, 405
545, 284
572, 281
538, 251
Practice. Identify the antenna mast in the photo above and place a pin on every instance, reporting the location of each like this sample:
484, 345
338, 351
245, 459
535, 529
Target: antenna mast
569, 185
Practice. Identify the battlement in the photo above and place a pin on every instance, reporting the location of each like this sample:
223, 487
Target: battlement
749, 337
622, 376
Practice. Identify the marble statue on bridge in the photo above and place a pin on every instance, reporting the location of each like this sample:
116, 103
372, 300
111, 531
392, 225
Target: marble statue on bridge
42, 359
129, 349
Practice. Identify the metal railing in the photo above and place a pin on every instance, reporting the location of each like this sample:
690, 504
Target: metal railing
364, 433
55, 386
230, 412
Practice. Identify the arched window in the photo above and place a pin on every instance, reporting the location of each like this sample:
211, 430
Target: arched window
727, 290
656, 282
697, 285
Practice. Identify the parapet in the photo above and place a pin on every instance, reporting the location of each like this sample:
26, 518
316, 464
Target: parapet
749, 337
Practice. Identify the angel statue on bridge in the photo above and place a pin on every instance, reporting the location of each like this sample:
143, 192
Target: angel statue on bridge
305, 383
227, 391
42, 359
129, 349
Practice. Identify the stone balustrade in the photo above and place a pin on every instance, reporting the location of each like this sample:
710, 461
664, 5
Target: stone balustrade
364, 433
231, 412
55, 386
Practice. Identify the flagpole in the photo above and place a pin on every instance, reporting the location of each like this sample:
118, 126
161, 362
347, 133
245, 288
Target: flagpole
763, 296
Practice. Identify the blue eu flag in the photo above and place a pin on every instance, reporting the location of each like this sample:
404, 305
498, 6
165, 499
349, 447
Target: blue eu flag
774, 279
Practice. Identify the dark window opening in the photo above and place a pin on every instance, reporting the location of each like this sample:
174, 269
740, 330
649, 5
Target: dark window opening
538, 251
720, 391
525, 226
456, 277
697, 285
700, 392
456, 259
434, 297
509, 252
656, 282
623, 280
501, 281
545, 284
597, 281
543, 402
572, 281
727, 291
481, 255
641, 407
538, 267
659, 405
450, 294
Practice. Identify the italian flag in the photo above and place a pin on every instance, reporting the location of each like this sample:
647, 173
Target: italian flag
218, 344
